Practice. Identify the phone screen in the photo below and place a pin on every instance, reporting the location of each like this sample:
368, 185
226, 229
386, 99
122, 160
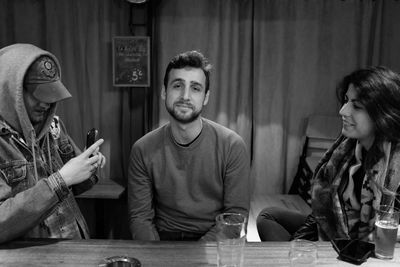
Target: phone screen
91, 137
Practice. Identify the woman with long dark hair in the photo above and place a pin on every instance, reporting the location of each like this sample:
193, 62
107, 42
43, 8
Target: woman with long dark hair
358, 173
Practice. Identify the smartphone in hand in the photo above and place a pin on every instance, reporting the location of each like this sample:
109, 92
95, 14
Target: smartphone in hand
91, 137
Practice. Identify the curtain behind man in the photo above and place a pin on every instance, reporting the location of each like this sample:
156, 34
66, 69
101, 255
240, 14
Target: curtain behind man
275, 63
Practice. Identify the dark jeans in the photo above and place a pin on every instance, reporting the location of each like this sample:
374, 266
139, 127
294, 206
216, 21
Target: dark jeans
179, 236
278, 224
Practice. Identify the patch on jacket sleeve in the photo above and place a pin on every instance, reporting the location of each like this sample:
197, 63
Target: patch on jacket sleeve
55, 129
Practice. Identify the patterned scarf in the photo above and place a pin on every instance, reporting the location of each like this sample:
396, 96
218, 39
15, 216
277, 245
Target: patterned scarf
333, 202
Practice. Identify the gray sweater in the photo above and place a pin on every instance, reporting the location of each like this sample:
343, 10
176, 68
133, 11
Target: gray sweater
176, 188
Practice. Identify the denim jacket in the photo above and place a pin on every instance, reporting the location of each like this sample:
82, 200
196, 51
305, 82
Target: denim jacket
43, 206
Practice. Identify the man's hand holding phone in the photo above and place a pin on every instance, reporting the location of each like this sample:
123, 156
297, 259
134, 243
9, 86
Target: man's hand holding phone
83, 166
91, 138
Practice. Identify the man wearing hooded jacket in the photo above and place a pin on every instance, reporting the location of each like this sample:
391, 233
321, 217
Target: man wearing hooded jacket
40, 166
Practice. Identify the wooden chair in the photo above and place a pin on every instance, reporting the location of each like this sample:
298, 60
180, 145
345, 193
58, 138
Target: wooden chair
321, 133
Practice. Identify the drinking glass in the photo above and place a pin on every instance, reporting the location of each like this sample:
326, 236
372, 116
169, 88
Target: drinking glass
231, 239
386, 224
302, 253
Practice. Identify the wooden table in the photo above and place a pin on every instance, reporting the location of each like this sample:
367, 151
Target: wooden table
108, 190
92, 252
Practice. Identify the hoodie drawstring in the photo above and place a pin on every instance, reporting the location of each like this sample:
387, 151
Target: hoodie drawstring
34, 154
50, 164
49, 154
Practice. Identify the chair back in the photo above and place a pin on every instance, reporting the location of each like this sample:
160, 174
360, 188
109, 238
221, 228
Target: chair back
321, 133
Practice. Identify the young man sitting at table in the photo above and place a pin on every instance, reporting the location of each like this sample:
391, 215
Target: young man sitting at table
183, 174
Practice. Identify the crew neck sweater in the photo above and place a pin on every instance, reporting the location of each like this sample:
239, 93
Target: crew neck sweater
177, 188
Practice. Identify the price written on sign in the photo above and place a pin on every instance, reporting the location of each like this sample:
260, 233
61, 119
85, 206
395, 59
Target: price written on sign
131, 61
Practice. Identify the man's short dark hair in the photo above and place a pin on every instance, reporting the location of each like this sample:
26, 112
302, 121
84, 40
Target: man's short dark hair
192, 59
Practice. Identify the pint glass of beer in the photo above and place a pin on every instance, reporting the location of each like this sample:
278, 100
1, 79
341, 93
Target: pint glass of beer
386, 224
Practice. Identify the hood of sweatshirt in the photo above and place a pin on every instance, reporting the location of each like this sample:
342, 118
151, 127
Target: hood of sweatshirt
15, 61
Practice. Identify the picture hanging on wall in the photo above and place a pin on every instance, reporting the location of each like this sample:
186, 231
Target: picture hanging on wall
131, 61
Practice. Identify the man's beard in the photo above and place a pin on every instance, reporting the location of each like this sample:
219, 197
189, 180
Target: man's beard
183, 118
36, 120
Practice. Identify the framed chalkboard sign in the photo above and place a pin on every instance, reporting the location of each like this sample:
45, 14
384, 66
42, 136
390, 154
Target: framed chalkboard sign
131, 61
